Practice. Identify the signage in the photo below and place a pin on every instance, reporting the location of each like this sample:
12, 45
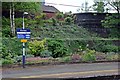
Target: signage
23, 36
23, 33
24, 40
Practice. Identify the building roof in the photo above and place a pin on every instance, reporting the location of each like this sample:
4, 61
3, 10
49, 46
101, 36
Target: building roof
47, 8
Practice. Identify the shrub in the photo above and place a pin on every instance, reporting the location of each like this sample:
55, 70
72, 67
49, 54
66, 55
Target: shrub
89, 55
7, 62
54, 22
110, 48
57, 48
11, 48
68, 20
46, 53
48, 22
112, 57
112, 22
105, 46
37, 47
59, 16
43, 16
18, 58
114, 33
75, 46
6, 31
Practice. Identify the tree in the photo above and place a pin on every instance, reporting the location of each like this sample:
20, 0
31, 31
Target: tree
19, 6
111, 21
59, 16
99, 7
10, 6
115, 5
84, 7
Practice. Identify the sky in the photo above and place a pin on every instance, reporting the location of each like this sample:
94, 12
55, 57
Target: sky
76, 3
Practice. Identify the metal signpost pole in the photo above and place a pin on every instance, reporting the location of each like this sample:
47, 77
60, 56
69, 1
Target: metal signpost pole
23, 34
23, 55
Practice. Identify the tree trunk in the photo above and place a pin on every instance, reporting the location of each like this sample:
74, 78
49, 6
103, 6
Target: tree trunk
11, 25
13, 20
118, 10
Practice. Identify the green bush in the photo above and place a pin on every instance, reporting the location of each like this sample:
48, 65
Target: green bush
105, 46
6, 31
114, 33
54, 21
112, 22
59, 16
11, 48
48, 22
7, 62
68, 20
57, 48
89, 55
43, 16
36, 47
46, 53
75, 46
110, 48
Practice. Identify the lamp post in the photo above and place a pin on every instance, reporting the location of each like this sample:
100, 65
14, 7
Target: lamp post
25, 13
23, 55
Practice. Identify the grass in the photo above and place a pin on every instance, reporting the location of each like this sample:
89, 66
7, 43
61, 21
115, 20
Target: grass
62, 32
65, 32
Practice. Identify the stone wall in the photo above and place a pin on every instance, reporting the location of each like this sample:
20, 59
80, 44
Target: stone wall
92, 21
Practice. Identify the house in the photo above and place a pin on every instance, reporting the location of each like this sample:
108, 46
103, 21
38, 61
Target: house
50, 11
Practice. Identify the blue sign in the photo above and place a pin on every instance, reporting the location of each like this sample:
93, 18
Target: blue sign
23, 33
23, 30
23, 36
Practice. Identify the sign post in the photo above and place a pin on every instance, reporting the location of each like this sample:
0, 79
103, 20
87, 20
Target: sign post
23, 34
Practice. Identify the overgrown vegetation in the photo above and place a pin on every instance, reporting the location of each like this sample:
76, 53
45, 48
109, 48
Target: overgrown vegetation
62, 49
10, 50
89, 55
112, 22
57, 48
58, 37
